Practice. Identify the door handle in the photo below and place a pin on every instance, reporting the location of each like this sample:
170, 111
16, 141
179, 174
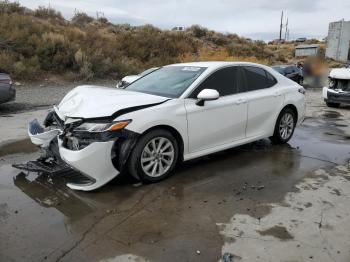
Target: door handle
241, 101
277, 94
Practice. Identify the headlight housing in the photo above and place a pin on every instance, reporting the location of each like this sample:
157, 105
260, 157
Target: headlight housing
101, 127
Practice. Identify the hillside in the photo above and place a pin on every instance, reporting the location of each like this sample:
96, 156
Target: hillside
41, 43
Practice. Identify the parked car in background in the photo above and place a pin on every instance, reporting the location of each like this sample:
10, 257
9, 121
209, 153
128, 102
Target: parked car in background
290, 71
301, 39
129, 79
178, 112
7, 92
338, 90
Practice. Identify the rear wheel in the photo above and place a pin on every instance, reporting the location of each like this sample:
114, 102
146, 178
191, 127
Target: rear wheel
285, 126
154, 156
329, 104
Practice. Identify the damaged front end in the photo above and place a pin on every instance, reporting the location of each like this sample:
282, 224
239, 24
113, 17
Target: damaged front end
97, 148
338, 89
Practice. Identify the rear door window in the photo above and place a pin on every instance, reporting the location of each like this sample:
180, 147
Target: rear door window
257, 78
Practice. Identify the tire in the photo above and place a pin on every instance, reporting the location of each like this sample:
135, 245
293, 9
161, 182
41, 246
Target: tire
334, 105
144, 157
279, 137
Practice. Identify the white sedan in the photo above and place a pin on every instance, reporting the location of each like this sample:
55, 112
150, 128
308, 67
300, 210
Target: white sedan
176, 113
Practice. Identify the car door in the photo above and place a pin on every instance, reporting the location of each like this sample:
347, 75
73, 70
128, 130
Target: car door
292, 74
264, 101
218, 122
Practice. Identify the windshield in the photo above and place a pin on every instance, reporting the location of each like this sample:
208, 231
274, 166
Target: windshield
146, 72
170, 81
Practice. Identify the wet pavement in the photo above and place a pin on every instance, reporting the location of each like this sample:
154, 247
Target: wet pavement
258, 202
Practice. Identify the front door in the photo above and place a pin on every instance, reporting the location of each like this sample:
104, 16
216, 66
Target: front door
218, 122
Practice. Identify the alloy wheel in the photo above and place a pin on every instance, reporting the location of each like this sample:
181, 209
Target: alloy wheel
286, 126
157, 156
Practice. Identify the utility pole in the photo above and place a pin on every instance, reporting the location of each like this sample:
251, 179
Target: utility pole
281, 26
286, 32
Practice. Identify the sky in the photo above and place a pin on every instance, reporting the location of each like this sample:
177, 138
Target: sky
256, 19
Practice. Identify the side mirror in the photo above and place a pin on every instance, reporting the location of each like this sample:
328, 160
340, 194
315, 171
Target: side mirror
207, 95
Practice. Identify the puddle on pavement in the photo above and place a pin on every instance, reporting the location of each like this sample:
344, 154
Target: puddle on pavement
279, 232
173, 218
15, 147
332, 114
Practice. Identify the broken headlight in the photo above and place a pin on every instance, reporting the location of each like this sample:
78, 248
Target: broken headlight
101, 127
87, 133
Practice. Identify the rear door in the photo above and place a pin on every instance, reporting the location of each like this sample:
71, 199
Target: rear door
264, 101
221, 121
292, 72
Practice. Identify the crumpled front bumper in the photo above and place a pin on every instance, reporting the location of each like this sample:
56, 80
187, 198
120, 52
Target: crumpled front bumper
93, 161
334, 96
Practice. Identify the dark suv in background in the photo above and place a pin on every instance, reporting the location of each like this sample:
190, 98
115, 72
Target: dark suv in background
290, 71
7, 92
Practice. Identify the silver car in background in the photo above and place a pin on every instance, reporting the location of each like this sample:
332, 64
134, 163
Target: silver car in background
7, 92
127, 80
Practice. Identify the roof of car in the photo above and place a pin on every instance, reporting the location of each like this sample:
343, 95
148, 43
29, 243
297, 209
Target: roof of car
4, 76
215, 64
282, 66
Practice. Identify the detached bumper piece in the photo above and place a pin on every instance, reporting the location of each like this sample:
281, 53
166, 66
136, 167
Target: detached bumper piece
53, 169
42, 167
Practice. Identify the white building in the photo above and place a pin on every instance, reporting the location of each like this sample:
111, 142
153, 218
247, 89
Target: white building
338, 40
306, 50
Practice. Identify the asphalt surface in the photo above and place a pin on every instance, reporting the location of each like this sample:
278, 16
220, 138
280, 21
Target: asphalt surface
258, 202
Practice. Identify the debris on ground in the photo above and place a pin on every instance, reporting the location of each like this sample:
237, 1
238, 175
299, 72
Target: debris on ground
111, 211
246, 187
198, 252
227, 257
260, 187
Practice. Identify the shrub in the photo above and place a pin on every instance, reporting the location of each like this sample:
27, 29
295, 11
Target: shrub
49, 13
81, 19
42, 42
10, 7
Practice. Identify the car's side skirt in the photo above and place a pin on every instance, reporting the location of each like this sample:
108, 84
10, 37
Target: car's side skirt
219, 148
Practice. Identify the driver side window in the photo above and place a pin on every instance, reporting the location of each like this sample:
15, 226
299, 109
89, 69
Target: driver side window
222, 80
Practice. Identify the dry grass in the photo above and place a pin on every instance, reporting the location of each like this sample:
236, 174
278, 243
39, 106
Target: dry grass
221, 54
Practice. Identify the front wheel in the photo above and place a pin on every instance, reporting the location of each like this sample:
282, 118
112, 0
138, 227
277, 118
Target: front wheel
154, 156
285, 126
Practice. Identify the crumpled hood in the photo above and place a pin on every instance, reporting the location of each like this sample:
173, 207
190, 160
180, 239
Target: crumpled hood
340, 73
98, 101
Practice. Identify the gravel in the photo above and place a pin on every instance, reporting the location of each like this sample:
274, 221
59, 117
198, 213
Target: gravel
41, 95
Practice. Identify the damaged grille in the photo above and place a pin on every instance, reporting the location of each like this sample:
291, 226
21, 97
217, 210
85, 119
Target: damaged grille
340, 84
79, 140
75, 144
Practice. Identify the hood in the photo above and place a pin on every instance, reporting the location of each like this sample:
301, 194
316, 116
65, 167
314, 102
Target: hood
340, 73
97, 101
